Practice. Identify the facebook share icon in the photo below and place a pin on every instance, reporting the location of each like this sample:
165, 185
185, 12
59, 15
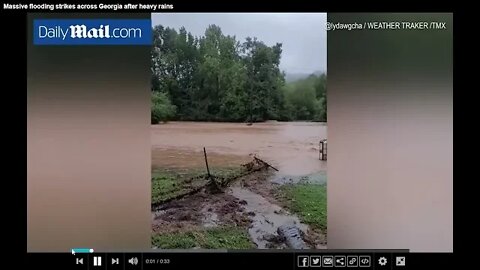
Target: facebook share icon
303, 261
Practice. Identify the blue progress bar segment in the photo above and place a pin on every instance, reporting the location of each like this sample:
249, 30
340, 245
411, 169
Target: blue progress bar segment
82, 250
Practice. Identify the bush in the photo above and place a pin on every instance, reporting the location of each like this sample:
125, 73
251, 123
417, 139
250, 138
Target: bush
320, 110
162, 108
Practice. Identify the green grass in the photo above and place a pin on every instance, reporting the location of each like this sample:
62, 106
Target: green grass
216, 238
309, 202
165, 186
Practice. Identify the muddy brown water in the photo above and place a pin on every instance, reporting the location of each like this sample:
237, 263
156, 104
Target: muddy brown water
268, 217
292, 147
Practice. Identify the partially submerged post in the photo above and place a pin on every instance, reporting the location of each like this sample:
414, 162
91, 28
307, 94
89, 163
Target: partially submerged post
323, 150
206, 162
214, 187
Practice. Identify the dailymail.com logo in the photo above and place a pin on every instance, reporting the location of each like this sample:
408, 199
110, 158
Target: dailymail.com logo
92, 32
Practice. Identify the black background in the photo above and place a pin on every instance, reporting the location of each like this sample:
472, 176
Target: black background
14, 114
240, 260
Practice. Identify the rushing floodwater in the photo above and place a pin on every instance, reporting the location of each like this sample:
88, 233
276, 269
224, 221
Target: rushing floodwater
292, 147
268, 217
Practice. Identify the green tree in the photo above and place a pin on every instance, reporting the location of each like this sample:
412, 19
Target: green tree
215, 77
264, 79
306, 99
161, 109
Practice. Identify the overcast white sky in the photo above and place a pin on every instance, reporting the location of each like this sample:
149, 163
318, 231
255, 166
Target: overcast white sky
303, 35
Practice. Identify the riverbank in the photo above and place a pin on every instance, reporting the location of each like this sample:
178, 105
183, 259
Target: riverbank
252, 209
246, 214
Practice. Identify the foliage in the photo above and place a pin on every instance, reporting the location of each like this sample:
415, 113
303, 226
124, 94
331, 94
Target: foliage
306, 99
162, 109
215, 77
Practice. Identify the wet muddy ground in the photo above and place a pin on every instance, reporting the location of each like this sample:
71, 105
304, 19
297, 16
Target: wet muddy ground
201, 209
252, 202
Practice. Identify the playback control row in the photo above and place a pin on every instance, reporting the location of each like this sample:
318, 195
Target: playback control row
246, 259
127, 261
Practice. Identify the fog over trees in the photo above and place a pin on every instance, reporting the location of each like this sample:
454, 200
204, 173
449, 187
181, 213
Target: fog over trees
215, 77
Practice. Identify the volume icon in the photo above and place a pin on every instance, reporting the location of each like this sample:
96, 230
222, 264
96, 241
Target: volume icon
133, 261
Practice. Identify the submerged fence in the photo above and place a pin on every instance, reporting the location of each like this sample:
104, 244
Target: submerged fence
322, 155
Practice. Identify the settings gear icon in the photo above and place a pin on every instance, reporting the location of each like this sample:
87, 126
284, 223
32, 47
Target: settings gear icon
382, 261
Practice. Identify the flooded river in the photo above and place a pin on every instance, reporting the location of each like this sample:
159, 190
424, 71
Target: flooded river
292, 147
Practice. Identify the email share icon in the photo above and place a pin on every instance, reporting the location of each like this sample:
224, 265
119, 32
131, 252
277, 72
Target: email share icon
327, 261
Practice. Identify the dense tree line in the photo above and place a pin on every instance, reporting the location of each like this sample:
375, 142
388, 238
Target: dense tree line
217, 78
306, 99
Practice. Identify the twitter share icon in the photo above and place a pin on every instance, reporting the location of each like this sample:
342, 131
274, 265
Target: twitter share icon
315, 261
